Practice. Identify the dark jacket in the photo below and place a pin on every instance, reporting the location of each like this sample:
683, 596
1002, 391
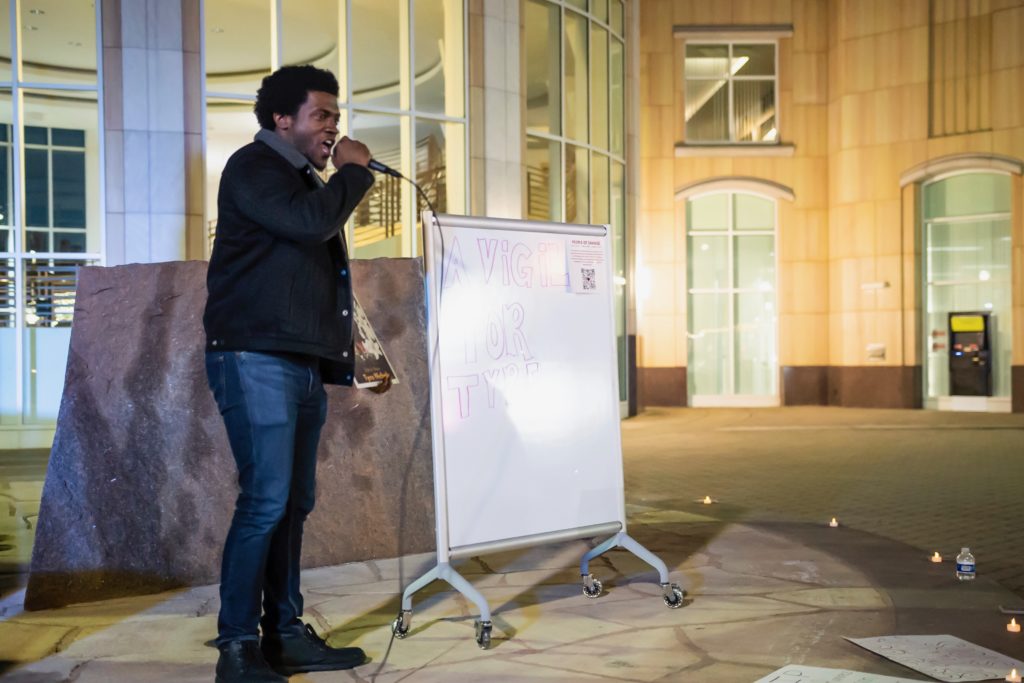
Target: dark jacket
279, 276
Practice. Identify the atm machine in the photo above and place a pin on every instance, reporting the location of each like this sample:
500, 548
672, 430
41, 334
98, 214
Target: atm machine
970, 354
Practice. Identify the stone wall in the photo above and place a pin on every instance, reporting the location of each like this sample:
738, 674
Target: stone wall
141, 484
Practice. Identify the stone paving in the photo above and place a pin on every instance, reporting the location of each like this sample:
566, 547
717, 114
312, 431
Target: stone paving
936, 481
21, 485
769, 582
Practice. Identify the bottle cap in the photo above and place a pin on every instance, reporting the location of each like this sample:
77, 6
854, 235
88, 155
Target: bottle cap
965, 550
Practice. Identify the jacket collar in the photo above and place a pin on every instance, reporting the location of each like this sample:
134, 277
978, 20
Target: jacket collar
282, 147
289, 152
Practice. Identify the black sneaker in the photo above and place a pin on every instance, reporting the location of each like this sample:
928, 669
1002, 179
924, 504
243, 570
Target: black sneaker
294, 653
241, 661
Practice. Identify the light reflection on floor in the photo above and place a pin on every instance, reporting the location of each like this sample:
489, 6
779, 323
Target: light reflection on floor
21, 487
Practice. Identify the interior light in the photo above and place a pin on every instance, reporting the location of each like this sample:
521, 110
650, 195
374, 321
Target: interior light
988, 305
704, 246
770, 135
643, 283
739, 63
619, 280
984, 276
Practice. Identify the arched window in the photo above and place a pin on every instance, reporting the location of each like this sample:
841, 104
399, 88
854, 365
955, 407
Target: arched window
732, 318
966, 255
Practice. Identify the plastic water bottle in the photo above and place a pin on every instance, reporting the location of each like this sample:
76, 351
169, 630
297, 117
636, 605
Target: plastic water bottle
965, 565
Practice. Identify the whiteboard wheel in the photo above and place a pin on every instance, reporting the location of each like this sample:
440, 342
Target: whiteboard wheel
400, 626
483, 634
594, 590
673, 596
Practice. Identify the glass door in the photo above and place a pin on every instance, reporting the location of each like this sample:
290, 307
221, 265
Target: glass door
732, 313
967, 268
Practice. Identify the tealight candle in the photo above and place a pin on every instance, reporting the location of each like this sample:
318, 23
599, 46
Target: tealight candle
1013, 626
707, 500
833, 523
1013, 676
936, 557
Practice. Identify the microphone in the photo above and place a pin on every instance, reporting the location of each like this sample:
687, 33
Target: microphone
375, 165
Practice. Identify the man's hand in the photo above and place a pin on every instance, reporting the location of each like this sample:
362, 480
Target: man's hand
349, 151
384, 385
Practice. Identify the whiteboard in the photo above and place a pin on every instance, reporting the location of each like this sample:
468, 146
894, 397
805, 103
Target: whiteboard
524, 380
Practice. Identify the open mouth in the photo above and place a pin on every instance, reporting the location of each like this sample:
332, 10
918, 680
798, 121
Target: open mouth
326, 146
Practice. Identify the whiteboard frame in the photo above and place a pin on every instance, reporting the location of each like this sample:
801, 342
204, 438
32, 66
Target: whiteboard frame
615, 529
434, 260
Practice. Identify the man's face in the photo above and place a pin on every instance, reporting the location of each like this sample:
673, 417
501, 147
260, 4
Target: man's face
314, 127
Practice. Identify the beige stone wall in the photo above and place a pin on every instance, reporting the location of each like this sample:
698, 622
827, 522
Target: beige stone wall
1018, 271
803, 239
854, 103
878, 114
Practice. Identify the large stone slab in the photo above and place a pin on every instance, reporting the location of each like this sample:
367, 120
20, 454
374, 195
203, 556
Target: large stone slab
141, 484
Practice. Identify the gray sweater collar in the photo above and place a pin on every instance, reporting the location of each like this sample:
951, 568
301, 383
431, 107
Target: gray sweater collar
282, 147
288, 151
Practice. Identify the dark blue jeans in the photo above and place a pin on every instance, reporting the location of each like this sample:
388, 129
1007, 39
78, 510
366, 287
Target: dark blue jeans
273, 406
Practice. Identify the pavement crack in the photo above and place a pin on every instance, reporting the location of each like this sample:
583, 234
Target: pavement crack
204, 607
75, 672
484, 566
66, 640
321, 620
609, 677
687, 643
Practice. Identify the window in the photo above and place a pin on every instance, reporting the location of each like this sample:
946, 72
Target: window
733, 321
731, 92
967, 267
407, 103
575, 124
54, 188
50, 194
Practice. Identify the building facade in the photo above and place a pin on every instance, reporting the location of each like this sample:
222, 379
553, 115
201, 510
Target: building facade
118, 116
800, 192
822, 184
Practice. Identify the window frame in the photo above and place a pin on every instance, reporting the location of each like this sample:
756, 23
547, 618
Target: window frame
943, 170
561, 138
730, 43
732, 397
17, 260
406, 113
51, 229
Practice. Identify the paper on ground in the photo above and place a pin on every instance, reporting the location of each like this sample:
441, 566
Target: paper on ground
795, 673
944, 657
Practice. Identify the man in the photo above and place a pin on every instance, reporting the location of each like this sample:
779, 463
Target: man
278, 325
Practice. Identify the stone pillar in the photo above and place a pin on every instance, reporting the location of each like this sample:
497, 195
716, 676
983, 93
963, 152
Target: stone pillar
632, 111
496, 105
153, 124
